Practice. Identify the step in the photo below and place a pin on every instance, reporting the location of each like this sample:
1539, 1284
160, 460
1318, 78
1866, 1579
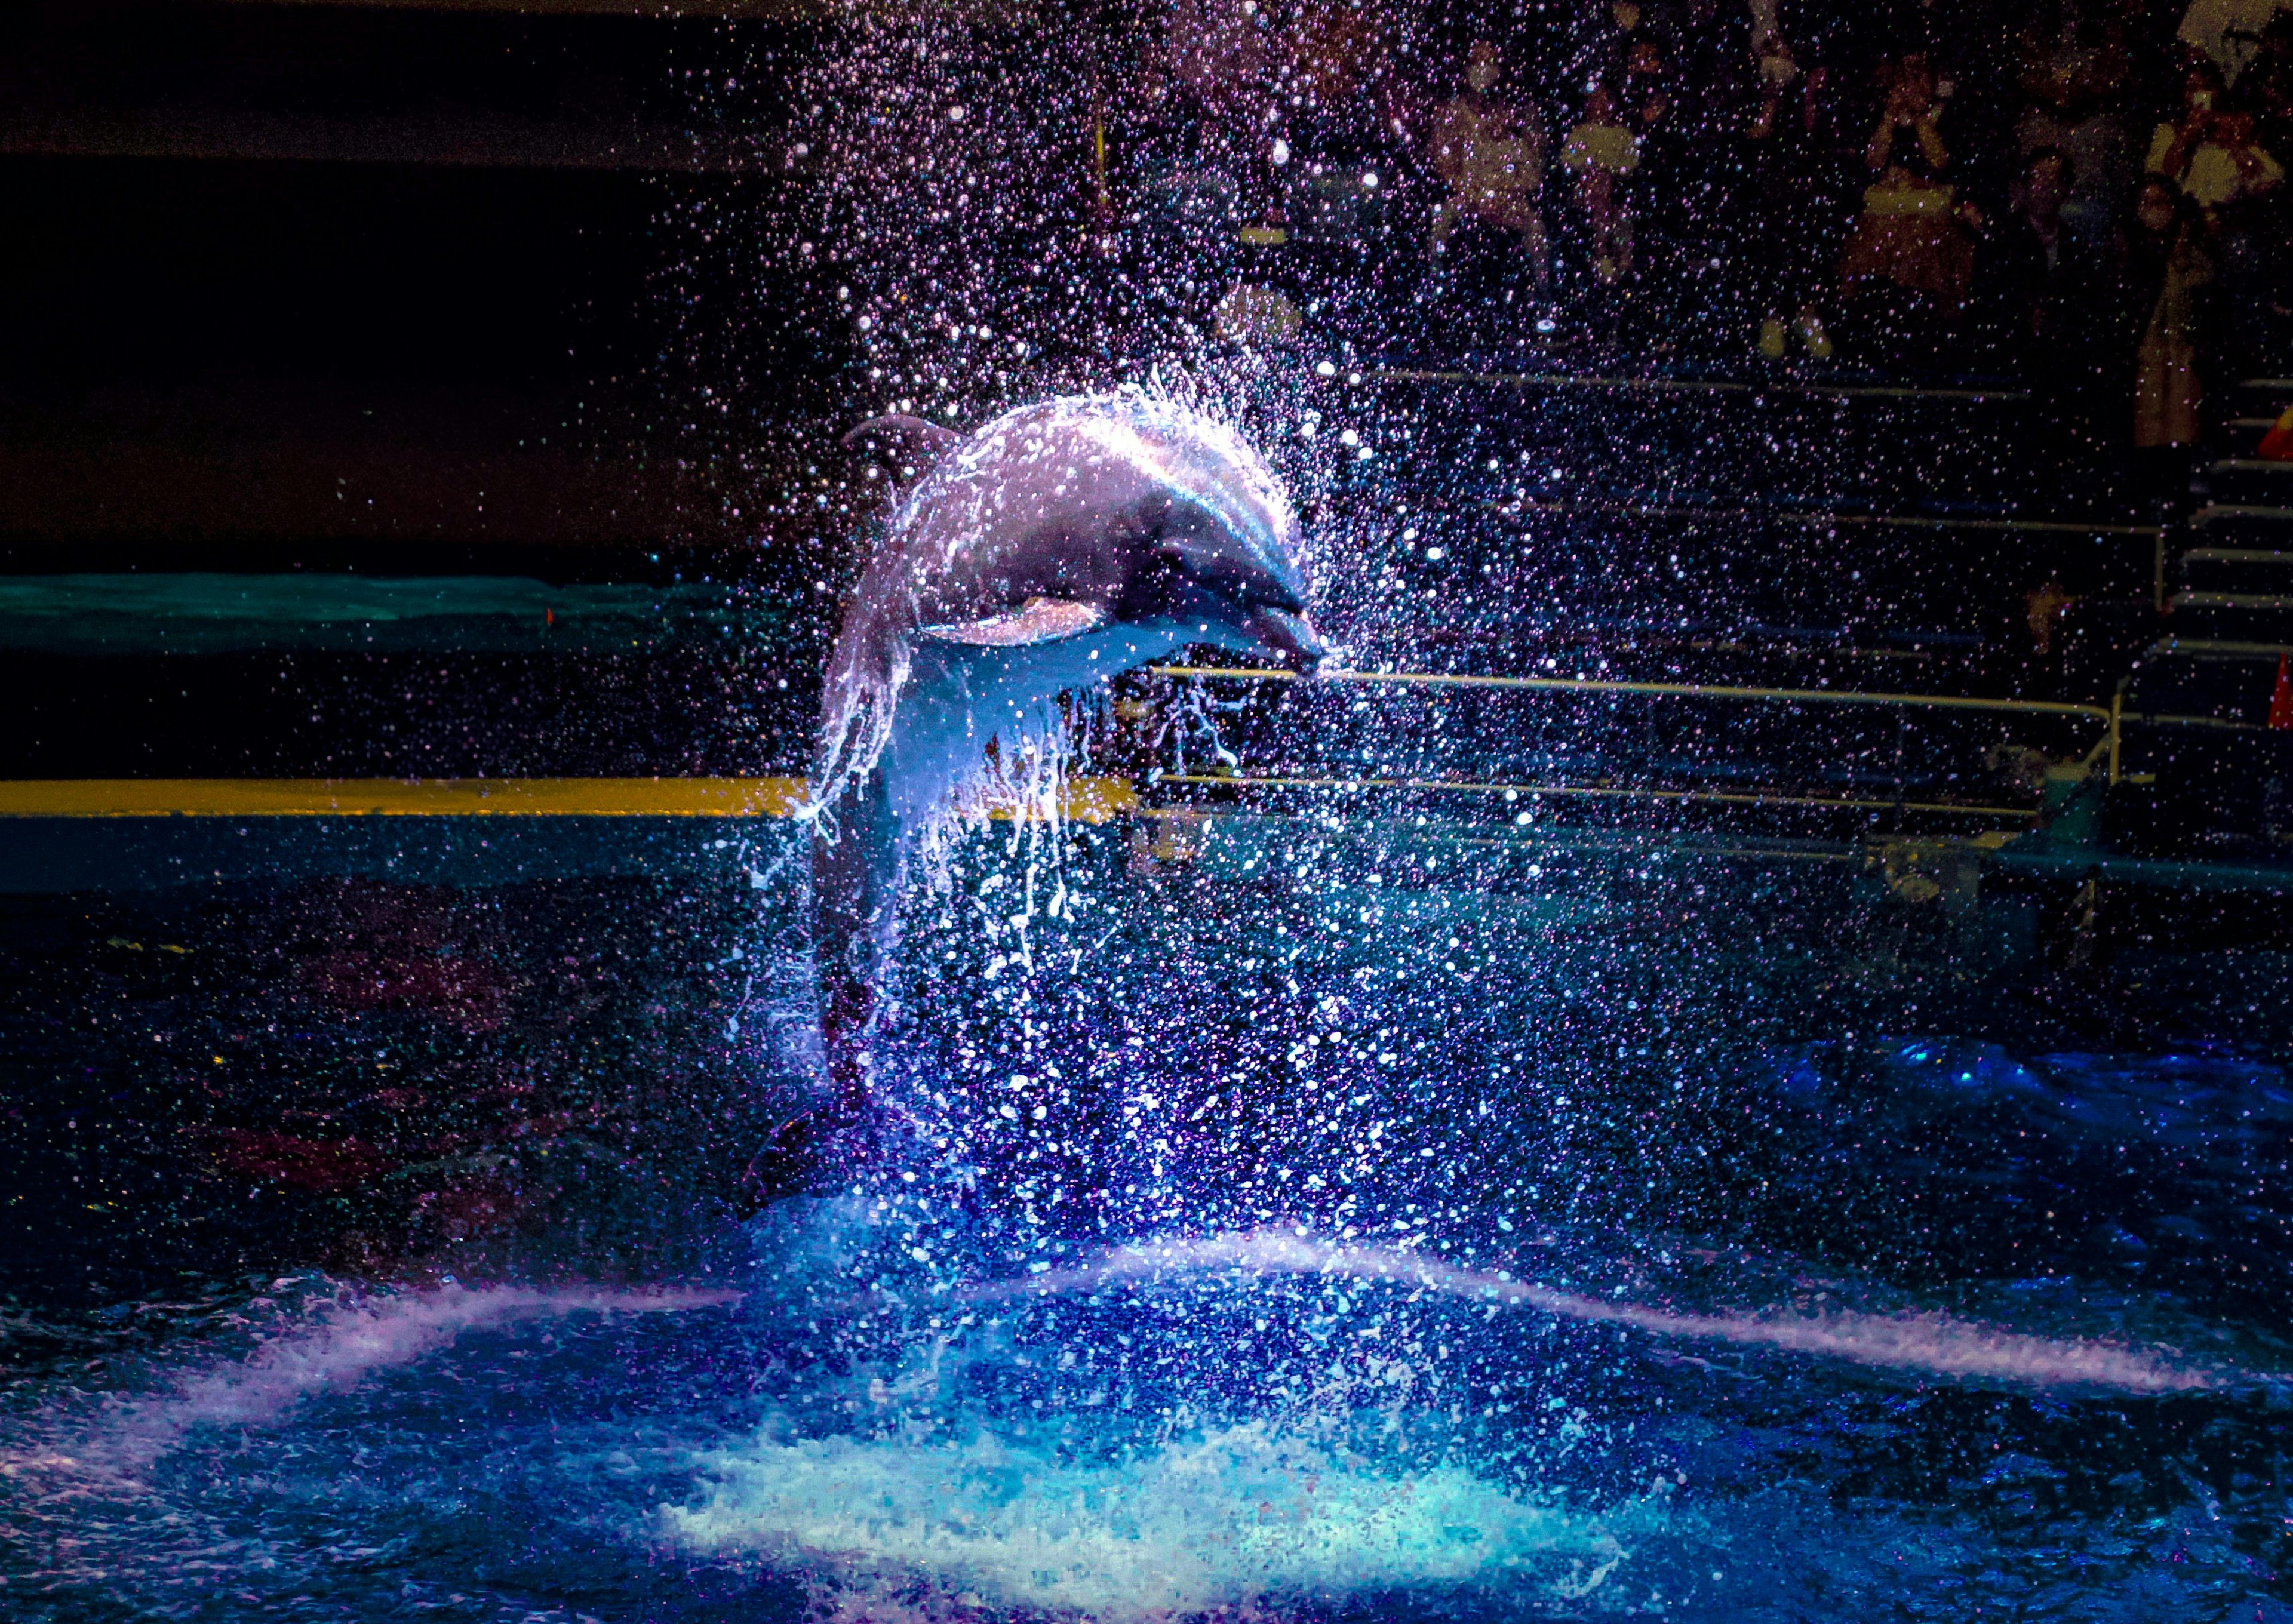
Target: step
2236, 479
2237, 570
2252, 617
2240, 514
2231, 600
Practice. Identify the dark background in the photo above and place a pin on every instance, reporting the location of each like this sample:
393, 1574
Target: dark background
312, 285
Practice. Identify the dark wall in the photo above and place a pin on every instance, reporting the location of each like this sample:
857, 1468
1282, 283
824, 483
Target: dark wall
342, 276
170, 269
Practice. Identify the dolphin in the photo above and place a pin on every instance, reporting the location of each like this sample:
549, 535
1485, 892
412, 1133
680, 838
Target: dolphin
1059, 546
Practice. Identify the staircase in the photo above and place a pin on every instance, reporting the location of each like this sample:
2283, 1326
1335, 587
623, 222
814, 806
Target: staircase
2206, 776
2234, 581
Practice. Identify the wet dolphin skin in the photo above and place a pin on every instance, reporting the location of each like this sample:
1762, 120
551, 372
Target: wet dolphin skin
1059, 546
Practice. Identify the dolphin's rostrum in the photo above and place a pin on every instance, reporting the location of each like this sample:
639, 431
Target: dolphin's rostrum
1060, 544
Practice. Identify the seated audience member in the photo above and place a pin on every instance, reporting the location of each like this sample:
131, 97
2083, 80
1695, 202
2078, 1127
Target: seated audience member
2074, 73
2166, 271
2227, 31
1599, 153
2210, 152
1228, 69
2248, 245
1489, 155
2045, 284
1343, 54
1645, 88
1657, 195
1914, 239
1793, 198
1601, 40
2266, 85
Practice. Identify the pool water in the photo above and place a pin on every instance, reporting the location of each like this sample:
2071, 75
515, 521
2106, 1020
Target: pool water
1679, 1238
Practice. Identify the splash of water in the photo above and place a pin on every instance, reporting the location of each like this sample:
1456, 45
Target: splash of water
332, 1353
1234, 1515
1927, 1343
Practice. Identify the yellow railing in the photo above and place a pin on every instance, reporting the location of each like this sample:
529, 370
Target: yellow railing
1708, 690
1088, 800
1721, 386
2111, 716
1599, 792
542, 797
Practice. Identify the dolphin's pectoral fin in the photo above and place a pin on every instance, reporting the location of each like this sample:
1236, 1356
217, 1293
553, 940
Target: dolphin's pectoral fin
909, 445
1037, 620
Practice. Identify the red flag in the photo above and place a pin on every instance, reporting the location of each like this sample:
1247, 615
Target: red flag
2281, 701
2277, 445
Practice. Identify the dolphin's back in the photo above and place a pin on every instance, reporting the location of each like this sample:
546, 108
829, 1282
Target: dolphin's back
1051, 495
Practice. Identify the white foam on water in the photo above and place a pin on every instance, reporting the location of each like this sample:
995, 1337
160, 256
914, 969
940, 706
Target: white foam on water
1233, 1517
1927, 1343
332, 1350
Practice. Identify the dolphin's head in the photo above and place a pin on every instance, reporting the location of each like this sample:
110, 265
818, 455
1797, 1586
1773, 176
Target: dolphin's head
1222, 554
1232, 601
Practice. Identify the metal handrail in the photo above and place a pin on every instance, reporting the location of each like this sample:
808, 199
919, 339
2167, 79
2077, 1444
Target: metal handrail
1723, 386
2109, 716
1699, 691
1808, 518
1616, 792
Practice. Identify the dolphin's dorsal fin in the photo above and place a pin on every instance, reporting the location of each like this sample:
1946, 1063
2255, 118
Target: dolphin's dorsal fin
908, 446
1037, 620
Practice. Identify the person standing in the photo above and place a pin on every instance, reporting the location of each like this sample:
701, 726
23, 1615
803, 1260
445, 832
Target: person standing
2042, 286
1795, 199
1601, 153
2073, 73
2167, 271
1489, 155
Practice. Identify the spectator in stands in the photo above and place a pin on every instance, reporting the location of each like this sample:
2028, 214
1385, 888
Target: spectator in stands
2167, 271
2266, 85
1912, 251
2073, 72
1489, 153
2034, 256
2044, 606
1793, 200
1646, 90
2267, 88
2046, 287
1694, 188
1229, 66
1601, 154
2210, 152
2213, 153
1341, 52
2227, 31
1602, 37
1655, 190
2249, 241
